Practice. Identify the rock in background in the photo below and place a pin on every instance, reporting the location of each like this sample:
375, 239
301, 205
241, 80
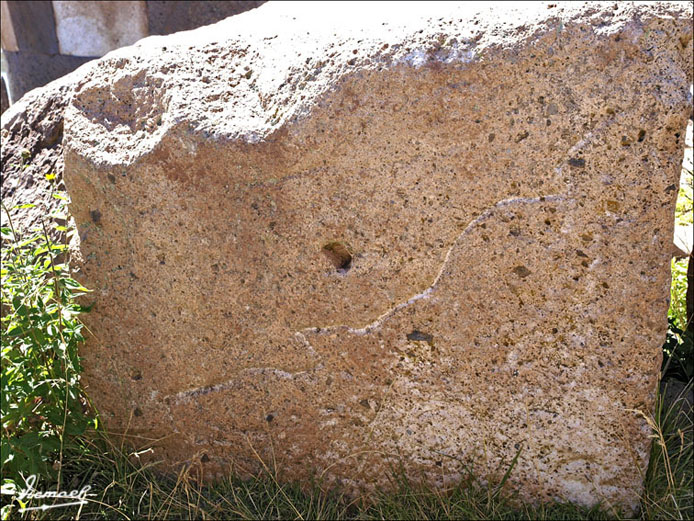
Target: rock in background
44, 40
4, 100
32, 137
339, 241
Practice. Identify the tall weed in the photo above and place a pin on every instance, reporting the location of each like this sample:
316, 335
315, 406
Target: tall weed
42, 404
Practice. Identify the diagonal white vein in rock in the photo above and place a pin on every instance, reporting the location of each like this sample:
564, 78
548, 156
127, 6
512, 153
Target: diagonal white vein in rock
207, 389
376, 324
587, 139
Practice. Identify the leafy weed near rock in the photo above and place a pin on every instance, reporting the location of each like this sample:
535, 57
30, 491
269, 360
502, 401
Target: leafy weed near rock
42, 403
678, 351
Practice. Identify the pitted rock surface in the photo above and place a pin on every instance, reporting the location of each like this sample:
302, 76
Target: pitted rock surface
345, 241
32, 135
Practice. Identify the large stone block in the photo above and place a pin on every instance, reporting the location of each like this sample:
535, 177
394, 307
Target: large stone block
431, 236
95, 28
28, 71
29, 27
8, 40
170, 17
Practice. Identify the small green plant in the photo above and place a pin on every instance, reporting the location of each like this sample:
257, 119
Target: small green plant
677, 313
42, 403
678, 350
685, 199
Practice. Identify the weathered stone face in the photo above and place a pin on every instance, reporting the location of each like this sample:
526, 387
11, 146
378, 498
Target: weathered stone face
435, 241
32, 136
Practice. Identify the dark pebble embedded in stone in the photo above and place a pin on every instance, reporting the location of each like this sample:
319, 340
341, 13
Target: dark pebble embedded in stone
418, 336
521, 271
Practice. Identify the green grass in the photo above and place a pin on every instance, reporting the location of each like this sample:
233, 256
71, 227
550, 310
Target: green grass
124, 488
678, 351
683, 209
669, 483
677, 312
127, 490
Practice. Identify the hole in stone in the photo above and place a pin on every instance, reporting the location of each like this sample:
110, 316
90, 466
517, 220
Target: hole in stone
339, 255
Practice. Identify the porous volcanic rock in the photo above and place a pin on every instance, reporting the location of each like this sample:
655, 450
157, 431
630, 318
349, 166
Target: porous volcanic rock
32, 138
342, 238
32, 134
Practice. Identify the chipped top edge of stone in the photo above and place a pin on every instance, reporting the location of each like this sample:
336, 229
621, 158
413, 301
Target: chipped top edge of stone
255, 55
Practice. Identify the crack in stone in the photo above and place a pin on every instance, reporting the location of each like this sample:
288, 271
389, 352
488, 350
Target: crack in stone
376, 324
372, 326
302, 338
201, 391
